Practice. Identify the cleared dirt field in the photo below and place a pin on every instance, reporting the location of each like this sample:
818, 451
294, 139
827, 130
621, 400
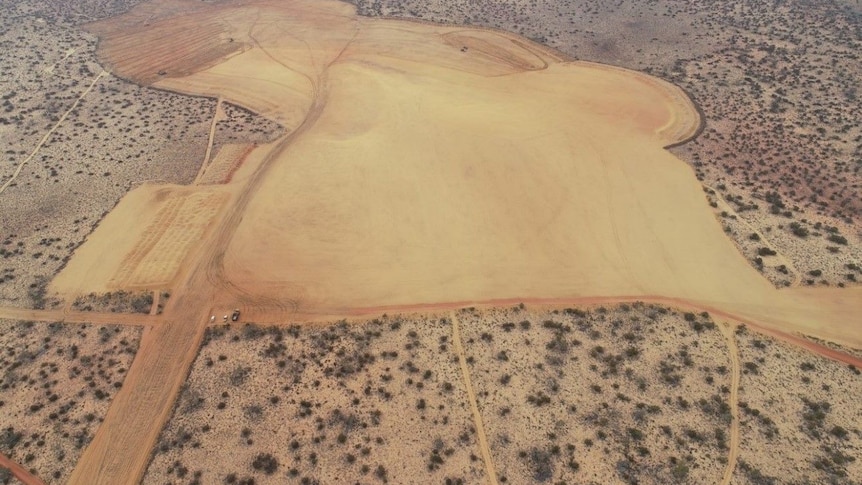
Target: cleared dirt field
429, 164
143, 242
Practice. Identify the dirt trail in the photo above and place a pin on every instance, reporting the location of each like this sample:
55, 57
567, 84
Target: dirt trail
50, 316
154, 309
121, 448
474, 407
19, 472
50, 69
728, 330
50, 132
219, 114
723, 205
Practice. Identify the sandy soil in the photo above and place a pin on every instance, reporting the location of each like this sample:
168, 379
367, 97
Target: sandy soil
620, 394
777, 145
142, 243
801, 408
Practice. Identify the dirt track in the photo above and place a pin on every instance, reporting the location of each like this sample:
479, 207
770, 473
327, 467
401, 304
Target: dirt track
729, 333
474, 407
120, 451
50, 132
50, 316
19, 472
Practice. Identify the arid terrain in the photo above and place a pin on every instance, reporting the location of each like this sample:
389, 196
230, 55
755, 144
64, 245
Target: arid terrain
303, 241
79, 138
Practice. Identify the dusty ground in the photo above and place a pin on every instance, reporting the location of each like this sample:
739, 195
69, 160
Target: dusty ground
465, 166
631, 393
57, 382
350, 211
390, 188
296, 236
118, 135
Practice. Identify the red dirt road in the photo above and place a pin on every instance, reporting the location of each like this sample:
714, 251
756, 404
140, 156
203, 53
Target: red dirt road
19, 472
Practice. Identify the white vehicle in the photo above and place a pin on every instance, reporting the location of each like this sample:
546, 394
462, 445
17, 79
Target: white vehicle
212, 319
224, 318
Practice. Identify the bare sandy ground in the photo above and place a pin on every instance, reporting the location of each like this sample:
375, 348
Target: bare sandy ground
445, 164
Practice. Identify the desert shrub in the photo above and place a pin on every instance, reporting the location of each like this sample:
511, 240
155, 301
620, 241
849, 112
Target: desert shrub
764, 251
266, 463
837, 239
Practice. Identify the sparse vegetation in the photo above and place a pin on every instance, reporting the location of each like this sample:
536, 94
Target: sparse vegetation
370, 402
791, 408
607, 411
57, 382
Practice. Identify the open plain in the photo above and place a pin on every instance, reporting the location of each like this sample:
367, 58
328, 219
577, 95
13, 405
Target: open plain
352, 167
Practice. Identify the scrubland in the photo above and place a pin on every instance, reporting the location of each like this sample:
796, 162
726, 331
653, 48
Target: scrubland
626, 394
57, 382
632, 393
119, 135
375, 402
799, 415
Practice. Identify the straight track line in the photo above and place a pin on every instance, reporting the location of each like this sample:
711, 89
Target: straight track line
474, 407
50, 132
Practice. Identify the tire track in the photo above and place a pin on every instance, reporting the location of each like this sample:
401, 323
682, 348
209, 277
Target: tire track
729, 331
474, 407
723, 205
63, 316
